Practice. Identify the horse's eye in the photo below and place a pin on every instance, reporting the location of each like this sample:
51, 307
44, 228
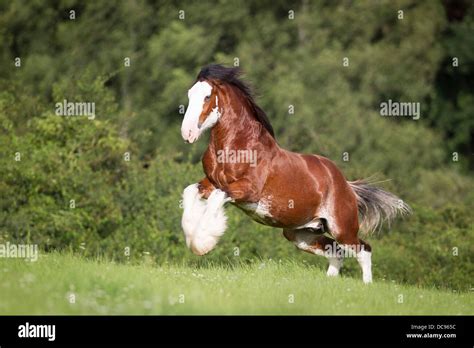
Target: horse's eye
207, 98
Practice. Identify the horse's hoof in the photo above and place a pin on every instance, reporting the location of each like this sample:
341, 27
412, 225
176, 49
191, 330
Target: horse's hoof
202, 246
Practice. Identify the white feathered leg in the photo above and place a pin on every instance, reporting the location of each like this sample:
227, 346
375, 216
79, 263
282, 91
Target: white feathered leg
194, 208
212, 224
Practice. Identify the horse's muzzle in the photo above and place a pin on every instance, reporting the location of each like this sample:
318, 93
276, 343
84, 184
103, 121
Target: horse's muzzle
189, 135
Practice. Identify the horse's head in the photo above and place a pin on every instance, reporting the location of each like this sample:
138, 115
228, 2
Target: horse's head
203, 110
217, 90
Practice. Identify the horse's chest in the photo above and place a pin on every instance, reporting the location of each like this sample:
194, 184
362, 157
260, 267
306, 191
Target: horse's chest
221, 172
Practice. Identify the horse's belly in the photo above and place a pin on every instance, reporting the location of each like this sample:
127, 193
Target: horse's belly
266, 212
259, 212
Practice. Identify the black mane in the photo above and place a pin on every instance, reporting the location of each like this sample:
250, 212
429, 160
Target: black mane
231, 76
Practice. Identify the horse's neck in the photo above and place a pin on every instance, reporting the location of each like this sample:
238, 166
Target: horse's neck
240, 131
235, 132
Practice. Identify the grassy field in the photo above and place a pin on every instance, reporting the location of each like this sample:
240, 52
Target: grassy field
66, 284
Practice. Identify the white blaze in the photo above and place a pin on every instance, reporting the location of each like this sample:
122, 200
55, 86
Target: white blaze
197, 94
212, 118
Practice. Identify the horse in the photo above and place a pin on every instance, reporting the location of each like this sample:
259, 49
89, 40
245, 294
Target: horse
306, 195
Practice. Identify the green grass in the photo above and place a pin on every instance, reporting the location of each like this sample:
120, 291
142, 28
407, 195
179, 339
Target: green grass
104, 287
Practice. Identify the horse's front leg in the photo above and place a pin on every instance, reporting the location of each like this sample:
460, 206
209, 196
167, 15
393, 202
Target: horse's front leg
193, 209
203, 221
243, 190
209, 223
205, 188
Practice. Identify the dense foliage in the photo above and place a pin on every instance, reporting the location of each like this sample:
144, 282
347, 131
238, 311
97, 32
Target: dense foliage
113, 184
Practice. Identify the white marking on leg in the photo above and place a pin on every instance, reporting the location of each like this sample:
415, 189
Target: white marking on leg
212, 224
335, 264
365, 261
335, 257
194, 208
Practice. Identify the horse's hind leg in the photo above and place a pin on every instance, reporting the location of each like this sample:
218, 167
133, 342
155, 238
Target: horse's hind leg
364, 257
310, 242
363, 254
356, 246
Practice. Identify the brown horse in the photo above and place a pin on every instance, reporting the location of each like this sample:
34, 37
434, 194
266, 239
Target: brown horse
306, 195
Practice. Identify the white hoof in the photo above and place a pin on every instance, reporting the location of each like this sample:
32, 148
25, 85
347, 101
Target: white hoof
201, 246
332, 271
335, 265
